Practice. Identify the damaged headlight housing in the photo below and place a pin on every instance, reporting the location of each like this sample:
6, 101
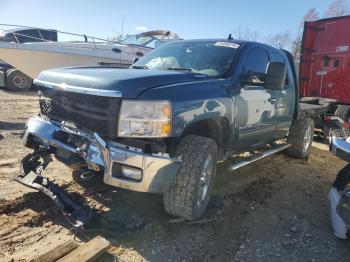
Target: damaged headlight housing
144, 119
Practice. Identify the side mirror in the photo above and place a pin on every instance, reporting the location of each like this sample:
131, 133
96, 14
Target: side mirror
135, 60
275, 75
252, 78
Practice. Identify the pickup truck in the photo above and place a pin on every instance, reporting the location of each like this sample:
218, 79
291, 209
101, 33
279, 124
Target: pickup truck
162, 125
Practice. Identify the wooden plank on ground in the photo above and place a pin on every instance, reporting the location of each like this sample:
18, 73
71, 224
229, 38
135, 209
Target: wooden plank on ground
90, 251
58, 252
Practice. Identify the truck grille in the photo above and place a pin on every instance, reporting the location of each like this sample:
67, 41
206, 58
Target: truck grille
88, 112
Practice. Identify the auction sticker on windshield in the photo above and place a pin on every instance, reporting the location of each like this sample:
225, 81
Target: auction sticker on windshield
227, 44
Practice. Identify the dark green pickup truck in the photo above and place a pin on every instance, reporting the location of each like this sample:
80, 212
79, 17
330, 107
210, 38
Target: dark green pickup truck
162, 125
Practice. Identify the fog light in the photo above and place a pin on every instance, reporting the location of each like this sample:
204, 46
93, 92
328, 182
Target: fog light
131, 173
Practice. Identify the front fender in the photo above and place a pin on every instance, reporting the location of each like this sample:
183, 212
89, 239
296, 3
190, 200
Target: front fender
187, 113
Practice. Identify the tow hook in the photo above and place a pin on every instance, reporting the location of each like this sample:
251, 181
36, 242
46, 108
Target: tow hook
31, 169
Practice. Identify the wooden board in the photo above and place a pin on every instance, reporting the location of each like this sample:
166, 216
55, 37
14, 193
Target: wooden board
90, 251
58, 252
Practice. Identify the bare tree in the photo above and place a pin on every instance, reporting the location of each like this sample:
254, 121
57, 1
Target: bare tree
311, 15
280, 40
337, 8
246, 33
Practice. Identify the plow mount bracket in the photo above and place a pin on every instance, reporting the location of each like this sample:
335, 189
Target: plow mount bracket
31, 168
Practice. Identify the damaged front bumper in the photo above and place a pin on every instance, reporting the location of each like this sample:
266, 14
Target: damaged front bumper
123, 166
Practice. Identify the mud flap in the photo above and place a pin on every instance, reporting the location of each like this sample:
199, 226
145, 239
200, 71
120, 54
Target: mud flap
31, 168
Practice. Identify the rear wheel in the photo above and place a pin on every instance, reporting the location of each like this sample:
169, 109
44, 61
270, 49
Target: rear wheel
189, 196
300, 137
17, 81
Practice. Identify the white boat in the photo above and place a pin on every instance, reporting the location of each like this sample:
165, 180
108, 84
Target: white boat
33, 57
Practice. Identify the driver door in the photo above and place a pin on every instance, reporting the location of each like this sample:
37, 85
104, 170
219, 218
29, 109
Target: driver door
255, 105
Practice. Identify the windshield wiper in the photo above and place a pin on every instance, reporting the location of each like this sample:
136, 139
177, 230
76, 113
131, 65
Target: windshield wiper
140, 67
180, 69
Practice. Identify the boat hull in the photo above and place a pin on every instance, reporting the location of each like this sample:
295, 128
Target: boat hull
31, 59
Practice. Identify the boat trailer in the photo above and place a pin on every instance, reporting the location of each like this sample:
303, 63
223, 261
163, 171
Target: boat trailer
31, 175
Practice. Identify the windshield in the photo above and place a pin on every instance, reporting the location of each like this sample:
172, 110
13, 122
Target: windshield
136, 40
209, 58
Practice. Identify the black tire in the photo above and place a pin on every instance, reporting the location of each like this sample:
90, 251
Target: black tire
186, 197
17, 81
300, 137
343, 112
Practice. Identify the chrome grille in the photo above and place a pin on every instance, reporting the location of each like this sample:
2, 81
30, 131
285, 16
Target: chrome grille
89, 112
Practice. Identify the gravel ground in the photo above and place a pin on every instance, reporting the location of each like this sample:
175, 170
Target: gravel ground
273, 210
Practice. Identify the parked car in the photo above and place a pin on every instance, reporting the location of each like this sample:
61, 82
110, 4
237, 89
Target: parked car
163, 125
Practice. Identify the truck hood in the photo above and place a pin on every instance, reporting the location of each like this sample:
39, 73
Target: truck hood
130, 82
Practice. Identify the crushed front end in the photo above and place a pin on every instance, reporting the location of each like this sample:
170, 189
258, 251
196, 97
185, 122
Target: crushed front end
79, 127
122, 166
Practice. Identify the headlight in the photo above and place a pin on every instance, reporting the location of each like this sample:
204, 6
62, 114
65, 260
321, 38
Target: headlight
144, 119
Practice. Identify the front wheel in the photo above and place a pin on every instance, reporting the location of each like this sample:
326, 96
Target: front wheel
189, 196
300, 137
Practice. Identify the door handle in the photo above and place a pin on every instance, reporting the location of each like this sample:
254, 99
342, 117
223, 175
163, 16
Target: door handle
272, 100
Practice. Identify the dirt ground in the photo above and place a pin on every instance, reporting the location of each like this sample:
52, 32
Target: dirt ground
273, 210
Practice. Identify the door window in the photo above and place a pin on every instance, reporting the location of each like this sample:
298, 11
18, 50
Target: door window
256, 61
336, 63
325, 61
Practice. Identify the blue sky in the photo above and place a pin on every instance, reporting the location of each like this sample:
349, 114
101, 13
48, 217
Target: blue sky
190, 19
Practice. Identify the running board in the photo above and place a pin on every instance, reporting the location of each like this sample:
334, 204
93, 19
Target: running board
257, 157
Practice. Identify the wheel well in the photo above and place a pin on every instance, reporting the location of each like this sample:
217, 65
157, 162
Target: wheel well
217, 129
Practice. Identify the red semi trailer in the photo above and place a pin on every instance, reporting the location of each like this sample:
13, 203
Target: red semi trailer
324, 69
